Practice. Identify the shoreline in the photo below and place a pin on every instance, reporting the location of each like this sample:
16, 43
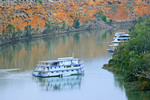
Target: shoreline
44, 34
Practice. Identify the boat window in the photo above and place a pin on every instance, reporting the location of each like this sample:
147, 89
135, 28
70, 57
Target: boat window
55, 63
47, 68
71, 70
68, 66
76, 65
52, 72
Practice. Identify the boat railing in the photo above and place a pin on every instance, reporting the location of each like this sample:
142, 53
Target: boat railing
43, 65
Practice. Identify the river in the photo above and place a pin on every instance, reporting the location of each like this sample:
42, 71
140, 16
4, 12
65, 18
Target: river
18, 60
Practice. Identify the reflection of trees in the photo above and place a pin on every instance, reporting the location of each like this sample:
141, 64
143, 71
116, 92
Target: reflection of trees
58, 83
135, 95
28, 45
76, 37
84, 44
104, 35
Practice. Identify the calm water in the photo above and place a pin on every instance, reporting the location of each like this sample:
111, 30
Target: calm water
18, 60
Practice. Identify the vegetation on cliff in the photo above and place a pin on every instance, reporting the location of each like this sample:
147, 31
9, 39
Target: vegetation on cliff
132, 57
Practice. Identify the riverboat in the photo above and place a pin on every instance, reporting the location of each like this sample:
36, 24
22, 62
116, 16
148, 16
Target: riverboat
61, 67
121, 36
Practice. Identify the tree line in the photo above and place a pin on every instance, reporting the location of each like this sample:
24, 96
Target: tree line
133, 57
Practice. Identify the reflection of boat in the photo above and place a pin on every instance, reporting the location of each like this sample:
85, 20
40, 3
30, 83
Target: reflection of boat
116, 42
112, 48
61, 67
58, 83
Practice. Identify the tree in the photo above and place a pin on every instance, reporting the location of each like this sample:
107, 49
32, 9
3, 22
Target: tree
64, 25
48, 25
133, 57
56, 26
104, 18
11, 29
41, 2
76, 23
110, 21
28, 31
19, 32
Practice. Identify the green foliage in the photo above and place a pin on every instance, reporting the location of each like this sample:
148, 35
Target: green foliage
19, 32
86, 21
56, 26
11, 29
133, 57
48, 25
68, 28
110, 22
41, 2
64, 25
76, 23
104, 18
28, 31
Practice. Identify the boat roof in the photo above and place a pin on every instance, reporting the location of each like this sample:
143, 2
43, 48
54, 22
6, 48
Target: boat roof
59, 60
121, 34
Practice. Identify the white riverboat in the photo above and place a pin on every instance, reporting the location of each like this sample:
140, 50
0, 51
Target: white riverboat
61, 67
121, 36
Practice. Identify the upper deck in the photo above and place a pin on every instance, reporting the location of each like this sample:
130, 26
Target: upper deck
67, 61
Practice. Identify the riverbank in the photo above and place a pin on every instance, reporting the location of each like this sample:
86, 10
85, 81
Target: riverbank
46, 33
132, 57
130, 86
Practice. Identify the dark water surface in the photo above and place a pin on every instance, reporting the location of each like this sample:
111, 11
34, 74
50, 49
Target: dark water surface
18, 60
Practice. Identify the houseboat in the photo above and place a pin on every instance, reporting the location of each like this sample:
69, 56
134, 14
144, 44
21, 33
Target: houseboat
121, 36
60, 67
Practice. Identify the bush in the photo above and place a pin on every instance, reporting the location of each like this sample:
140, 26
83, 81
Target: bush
76, 23
41, 2
110, 22
104, 18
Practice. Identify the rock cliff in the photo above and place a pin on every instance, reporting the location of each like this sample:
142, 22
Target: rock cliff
36, 14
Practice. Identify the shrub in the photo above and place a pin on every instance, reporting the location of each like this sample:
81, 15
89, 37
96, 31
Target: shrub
76, 23
104, 18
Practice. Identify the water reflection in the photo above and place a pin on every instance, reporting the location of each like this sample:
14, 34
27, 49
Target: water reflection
25, 54
59, 83
91, 46
131, 95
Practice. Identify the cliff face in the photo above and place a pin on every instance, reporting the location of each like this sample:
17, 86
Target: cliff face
23, 14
